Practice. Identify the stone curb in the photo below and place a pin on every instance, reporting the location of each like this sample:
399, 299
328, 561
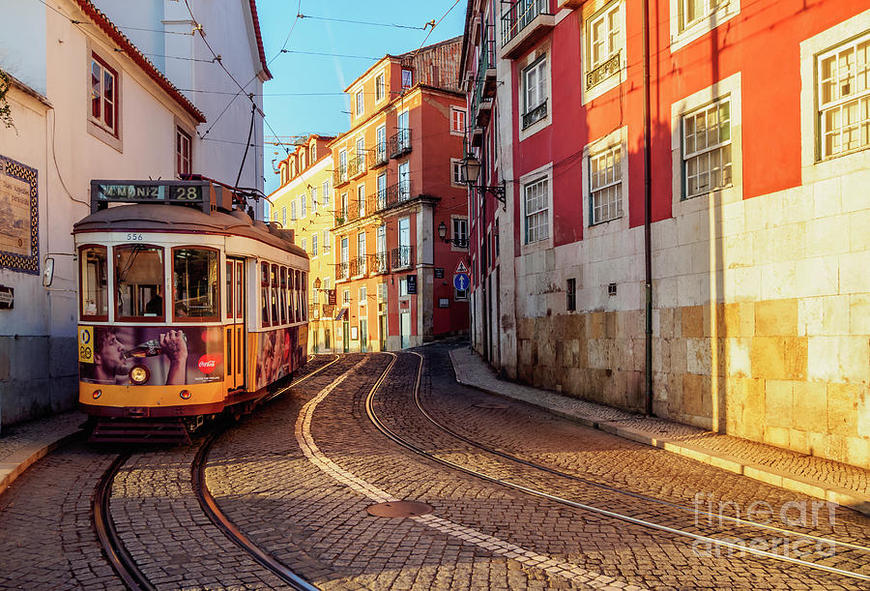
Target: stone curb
806, 486
14, 465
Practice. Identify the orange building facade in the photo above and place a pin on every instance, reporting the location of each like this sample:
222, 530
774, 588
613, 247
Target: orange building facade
396, 184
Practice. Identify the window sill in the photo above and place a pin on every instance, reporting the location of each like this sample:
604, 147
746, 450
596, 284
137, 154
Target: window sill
702, 26
105, 136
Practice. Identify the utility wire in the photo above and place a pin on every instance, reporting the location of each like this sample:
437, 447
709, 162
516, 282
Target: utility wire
355, 22
363, 57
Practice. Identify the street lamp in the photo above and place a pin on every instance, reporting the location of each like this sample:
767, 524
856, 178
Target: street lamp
471, 173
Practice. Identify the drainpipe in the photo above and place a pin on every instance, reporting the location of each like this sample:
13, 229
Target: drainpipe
647, 213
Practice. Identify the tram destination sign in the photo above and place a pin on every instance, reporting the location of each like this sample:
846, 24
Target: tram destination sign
194, 193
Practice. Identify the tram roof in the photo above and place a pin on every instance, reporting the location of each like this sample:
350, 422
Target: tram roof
172, 218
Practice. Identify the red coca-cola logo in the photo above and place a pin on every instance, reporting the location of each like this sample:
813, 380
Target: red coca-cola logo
208, 363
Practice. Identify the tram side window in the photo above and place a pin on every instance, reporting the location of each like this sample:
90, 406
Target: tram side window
274, 295
195, 278
282, 295
94, 282
299, 311
304, 296
291, 297
229, 280
264, 292
139, 282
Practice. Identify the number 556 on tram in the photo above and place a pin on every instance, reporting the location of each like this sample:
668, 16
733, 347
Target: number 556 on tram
187, 308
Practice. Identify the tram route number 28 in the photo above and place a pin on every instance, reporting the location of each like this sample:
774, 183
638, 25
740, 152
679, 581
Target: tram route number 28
86, 344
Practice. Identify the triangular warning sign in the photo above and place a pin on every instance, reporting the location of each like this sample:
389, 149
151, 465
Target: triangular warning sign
461, 268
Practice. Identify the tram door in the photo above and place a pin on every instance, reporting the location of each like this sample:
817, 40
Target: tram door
235, 329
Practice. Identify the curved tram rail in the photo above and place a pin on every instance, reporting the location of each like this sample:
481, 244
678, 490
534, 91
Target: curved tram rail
124, 564
389, 433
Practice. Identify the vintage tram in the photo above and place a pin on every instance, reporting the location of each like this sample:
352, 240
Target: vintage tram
187, 308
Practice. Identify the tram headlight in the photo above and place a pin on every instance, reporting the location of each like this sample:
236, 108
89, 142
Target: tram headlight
185, 394
139, 374
97, 393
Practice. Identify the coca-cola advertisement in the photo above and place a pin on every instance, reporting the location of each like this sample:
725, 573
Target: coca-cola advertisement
278, 351
171, 355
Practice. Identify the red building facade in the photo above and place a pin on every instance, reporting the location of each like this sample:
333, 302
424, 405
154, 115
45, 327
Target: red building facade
677, 187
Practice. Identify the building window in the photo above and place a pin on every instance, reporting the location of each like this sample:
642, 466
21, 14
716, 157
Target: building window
382, 190
380, 87
381, 143
571, 295
694, 11
104, 95
457, 121
313, 199
305, 244
284, 216
460, 232
707, 148
456, 172
404, 181
314, 245
344, 210
605, 185
313, 151
844, 98
303, 204
536, 210
325, 189
361, 253
302, 161
535, 92
182, 152
327, 241
345, 297
342, 165
361, 200
360, 102
407, 78
292, 211
604, 42
363, 297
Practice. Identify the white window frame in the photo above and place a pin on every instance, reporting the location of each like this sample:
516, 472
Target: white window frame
97, 127
325, 189
293, 211
813, 166
380, 87
303, 202
361, 254
859, 98
544, 173
361, 200
456, 172
359, 102
313, 199
727, 87
462, 220
404, 181
182, 134
461, 115
680, 37
314, 245
531, 61
618, 137
342, 165
720, 110
617, 78
284, 216
312, 149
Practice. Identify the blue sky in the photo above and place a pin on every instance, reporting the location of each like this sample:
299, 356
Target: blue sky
296, 73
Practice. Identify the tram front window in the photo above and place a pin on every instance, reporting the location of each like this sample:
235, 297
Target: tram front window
94, 277
195, 278
139, 282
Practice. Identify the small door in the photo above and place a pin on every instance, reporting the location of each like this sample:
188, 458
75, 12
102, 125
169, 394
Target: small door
405, 329
345, 334
235, 328
363, 335
382, 331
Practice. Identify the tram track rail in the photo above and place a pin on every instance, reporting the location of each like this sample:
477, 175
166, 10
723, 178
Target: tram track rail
123, 563
739, 547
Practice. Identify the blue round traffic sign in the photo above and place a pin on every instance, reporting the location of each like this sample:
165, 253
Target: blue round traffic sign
461, 281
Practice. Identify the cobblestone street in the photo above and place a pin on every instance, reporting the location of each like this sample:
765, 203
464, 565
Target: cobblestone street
520, 498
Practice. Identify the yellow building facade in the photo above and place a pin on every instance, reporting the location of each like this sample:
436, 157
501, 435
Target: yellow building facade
305, 203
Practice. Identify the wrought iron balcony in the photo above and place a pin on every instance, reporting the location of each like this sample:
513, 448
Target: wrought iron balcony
358, 266
394, 194
339, 176
603, 71
535, 115
378, 156
380, 262
400, 143
402, 257
342, 271
523, 23
356, 166
459, 242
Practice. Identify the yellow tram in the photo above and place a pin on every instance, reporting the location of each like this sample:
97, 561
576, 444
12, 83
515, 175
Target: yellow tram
187, 308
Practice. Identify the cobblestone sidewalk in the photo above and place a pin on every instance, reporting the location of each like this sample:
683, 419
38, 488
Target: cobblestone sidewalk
23, 444
825, 479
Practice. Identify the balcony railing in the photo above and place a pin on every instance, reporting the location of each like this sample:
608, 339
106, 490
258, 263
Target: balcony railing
520, 14
378, 156
358, 266
535, 115
459, 242
603, 71
339, 176
356, 166
394, 194
342, 271
380, 262
400, 143
402, 257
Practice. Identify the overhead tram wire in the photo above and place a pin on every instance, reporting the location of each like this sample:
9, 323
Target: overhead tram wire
355, 22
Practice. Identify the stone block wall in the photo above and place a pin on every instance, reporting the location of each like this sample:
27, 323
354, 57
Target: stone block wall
761, 320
